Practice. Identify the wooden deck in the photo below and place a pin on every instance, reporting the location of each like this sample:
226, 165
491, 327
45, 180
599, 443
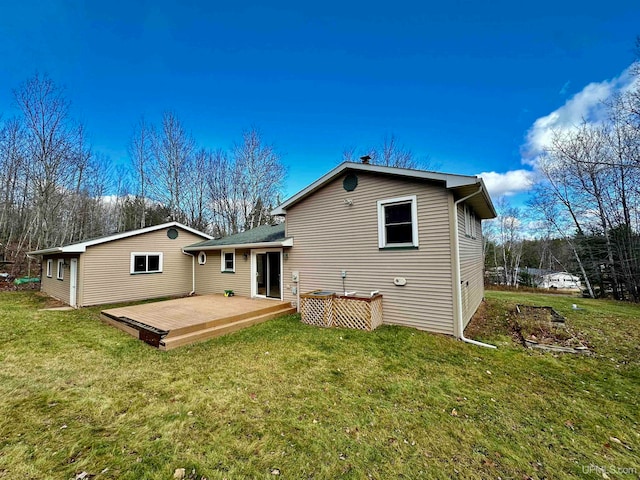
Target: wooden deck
173, 323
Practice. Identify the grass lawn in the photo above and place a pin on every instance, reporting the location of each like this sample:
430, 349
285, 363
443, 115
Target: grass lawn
286, 400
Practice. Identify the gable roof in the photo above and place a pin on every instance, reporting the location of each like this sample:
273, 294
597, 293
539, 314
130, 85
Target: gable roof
263, 236
81, 247
461, 185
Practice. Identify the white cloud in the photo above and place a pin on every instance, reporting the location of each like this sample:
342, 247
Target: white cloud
584, 105
110, 199
508, 183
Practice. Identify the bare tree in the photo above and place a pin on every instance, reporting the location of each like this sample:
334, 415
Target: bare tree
52, 144
141, 157
389, 153
14, 186
173, 148
509, 228
261, 174
195, 191
245, 185
548, 201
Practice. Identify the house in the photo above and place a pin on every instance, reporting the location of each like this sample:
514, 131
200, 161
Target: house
134, 265
414, 236
562, 280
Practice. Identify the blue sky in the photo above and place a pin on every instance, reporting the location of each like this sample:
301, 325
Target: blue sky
467, 83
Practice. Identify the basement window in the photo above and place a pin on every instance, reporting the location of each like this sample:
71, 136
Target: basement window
398, 222
228, 259
49, 268
146, 262
60, 273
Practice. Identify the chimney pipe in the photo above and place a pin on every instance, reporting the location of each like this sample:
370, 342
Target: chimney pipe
366, 159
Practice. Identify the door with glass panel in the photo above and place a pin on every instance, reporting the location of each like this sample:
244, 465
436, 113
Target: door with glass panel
267, 274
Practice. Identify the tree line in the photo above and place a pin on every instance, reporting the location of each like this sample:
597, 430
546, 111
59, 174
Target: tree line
55, 189
587, 195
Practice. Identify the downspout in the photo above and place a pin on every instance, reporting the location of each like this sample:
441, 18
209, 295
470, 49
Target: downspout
458, 273
193, 272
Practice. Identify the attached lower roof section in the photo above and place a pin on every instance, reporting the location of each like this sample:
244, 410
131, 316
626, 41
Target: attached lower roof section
264, 236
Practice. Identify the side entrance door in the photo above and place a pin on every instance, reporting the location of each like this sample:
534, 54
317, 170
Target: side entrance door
73, 282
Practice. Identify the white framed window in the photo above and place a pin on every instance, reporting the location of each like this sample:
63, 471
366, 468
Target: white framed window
49, 268
398, 222
60, 273
146, 262
228, 261
202, 258
469, 222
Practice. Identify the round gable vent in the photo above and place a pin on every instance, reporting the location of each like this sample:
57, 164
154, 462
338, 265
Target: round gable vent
350, 182
172, 233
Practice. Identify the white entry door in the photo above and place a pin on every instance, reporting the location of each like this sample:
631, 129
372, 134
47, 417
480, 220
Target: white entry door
73, 282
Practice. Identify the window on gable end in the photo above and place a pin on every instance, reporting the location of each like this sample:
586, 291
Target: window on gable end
146, 262
398, 222
469, 222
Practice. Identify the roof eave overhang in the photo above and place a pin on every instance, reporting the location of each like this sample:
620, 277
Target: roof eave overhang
81, 247
287, 242
46, 251
451, 181
481, 203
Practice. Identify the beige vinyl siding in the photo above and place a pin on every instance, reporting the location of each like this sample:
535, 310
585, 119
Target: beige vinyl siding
80, 285
107, 266
471, 267
330, 235
209, 278
53, 287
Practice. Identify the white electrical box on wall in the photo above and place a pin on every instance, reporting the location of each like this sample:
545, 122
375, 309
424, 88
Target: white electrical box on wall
400, 281
294, 276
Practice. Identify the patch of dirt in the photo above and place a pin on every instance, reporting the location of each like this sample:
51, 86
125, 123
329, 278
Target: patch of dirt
50, 302
8, 286
526, 325
488, 320
533, 326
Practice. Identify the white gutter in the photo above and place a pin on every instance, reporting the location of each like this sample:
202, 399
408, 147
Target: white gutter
287, 242
458, 274
193, 271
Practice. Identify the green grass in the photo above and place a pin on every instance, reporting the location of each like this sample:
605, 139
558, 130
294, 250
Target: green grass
79, 396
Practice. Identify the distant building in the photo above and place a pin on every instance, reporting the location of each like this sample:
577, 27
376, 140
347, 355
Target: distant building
560, 280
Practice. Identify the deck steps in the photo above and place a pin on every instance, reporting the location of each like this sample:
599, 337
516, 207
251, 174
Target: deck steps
216, 322
218, 327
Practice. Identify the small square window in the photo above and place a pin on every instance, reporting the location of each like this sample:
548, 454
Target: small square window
398, 222
228, 259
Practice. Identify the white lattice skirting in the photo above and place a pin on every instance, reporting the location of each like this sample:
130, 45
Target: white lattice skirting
331, 310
